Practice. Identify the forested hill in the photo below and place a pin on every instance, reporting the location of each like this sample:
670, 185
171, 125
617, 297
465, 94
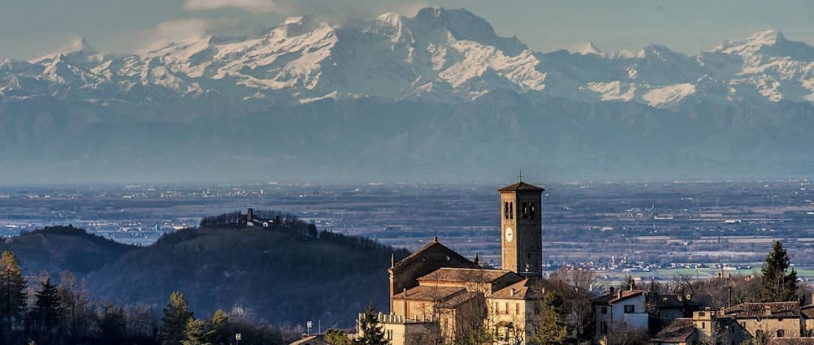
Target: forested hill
64, 248
285, 274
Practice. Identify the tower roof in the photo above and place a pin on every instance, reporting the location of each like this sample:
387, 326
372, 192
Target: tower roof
521, 187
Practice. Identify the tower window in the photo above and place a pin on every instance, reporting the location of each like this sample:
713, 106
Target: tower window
532, 210
506, 210
511, 210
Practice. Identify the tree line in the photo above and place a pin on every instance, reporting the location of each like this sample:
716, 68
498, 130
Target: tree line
44, 312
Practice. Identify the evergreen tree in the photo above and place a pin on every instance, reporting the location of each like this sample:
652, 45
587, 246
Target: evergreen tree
372, 333
47, 313
175, 319
777, 284
549, 329
12, 294
219, 328
337, 337
196, 333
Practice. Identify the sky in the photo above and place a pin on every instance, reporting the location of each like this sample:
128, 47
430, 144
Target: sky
32, 28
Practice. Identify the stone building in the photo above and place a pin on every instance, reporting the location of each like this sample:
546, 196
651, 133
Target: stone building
705, 327
775, 319
436, 291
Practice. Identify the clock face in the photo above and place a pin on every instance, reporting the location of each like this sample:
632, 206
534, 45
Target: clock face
509, 234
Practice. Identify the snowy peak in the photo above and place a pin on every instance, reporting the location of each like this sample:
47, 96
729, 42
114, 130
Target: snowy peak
587, 48
438, 55
464, 25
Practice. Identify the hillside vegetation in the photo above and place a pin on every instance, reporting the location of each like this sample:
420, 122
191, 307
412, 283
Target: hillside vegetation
285, 274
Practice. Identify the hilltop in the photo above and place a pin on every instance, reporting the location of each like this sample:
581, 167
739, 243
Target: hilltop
283, 275
64, 248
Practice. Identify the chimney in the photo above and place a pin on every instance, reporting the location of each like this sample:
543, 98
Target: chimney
249, 214
811, 300
619, 293
612, 290
513, 292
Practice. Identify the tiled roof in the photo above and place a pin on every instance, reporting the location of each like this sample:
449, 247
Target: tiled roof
770, 309
791, 341
524, 289
434, 245
808, 311
459, 299
317, 339
430, 293
614, 297
671, 301
520, 186
676, 332
464, 275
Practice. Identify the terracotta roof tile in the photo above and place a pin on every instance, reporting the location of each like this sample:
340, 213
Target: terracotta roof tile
524, 289
430, 293
434, 244
770, 309
520, 186
676, 332
464, 275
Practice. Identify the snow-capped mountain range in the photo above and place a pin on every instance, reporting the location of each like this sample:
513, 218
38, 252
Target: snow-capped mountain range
437, 56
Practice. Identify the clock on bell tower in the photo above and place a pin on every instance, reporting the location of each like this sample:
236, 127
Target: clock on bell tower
521, 229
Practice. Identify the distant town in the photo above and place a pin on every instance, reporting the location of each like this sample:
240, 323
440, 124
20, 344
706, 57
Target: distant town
647, 230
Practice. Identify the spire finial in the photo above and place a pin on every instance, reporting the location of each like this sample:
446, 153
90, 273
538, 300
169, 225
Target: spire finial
520, 176
477, 259
435, 239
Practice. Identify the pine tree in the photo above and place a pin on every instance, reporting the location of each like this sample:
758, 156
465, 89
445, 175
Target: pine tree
337, 337
195, 333
47, 313
372, 333
778, 285
219, 328
175, 319
549, 329
12, 293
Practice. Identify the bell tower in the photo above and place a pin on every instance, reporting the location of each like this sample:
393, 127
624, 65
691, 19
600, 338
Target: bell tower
521, 229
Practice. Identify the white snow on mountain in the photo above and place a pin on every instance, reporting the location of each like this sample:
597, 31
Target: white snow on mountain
438, 55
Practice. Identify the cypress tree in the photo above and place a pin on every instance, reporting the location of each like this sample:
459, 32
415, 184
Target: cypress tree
372, 333
175, 319
12, 293
778, 286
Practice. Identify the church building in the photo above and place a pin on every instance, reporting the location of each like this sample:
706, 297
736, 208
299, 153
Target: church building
438, 295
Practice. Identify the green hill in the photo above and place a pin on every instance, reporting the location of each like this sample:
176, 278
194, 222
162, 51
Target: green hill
61, 248
285, 275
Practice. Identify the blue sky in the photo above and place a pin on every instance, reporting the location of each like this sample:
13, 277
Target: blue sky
32, 28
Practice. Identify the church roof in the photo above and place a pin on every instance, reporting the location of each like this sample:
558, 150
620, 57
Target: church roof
464, 275
434, 245
430, 293
521, 186
524, 289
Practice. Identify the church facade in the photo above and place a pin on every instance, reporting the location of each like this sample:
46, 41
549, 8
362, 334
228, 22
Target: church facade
438, 295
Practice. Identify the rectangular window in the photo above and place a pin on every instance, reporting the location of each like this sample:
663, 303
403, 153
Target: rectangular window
603, 327
630, 308
604, 310
507, 308
517, 309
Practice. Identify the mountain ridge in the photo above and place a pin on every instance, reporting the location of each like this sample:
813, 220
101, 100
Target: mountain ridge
438, 55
